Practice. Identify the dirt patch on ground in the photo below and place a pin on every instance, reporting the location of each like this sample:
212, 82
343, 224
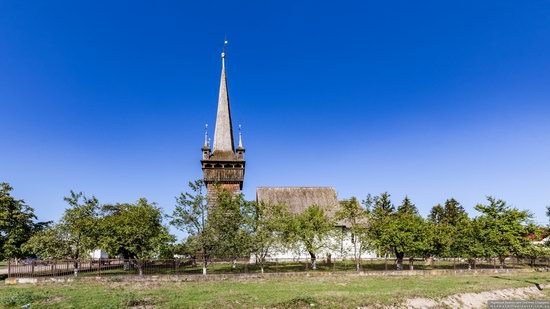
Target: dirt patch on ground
476, 300
54, 299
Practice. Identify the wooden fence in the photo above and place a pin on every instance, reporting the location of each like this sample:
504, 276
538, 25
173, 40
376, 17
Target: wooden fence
114, 267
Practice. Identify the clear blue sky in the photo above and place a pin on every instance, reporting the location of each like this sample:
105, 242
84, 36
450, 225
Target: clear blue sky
434, 99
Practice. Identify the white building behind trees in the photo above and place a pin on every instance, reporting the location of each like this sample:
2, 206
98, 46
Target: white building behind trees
337, 247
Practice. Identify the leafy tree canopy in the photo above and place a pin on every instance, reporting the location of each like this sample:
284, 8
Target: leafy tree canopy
17, 224
74, 236
229, 223
134, 230
355, 218
267, 224
502, 228
310, 229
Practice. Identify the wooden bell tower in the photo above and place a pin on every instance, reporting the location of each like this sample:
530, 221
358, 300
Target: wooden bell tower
223, 166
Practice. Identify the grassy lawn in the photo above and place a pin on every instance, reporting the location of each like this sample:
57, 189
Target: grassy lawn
341, 291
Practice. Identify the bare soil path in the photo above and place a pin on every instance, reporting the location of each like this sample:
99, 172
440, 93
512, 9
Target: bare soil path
479, 300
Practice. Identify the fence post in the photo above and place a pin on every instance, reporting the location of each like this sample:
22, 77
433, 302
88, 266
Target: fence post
9, 268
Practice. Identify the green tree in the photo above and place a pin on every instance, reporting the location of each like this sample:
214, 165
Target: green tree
401, 232
447, 223
76, 233
436, 214
380, 211
355, 218
191, 216
135, 231
443, 233
453, 212
17, 224
189, 248
230, 226
311, 230
408, 234
503, 229
267, 224
468, 242
51, 243
534, 252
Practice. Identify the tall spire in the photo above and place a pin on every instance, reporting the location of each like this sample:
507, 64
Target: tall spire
223, 133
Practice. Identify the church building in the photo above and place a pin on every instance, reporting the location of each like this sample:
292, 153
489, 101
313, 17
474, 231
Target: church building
223, 168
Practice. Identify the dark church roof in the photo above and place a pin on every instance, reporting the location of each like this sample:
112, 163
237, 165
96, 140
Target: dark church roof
298, 199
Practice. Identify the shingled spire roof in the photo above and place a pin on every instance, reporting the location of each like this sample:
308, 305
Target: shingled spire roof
223, 133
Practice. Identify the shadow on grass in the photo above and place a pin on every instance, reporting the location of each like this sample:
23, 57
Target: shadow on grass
520, 280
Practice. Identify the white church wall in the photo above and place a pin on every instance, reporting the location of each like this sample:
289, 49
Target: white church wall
339, 246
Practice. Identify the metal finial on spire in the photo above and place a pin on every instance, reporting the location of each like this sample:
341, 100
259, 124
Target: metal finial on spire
225, 42
240, 138
206, 139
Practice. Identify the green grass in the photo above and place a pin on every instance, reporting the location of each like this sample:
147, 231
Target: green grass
300, 292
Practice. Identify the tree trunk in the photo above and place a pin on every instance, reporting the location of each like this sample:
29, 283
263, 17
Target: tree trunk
355, 254
399, 256
470, 263
411, 262
234, 263
205, 263
140, 269
313, 261
262, 269
75, 268
502, 260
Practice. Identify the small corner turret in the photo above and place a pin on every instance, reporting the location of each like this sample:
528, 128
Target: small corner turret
206, 146
240, 148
